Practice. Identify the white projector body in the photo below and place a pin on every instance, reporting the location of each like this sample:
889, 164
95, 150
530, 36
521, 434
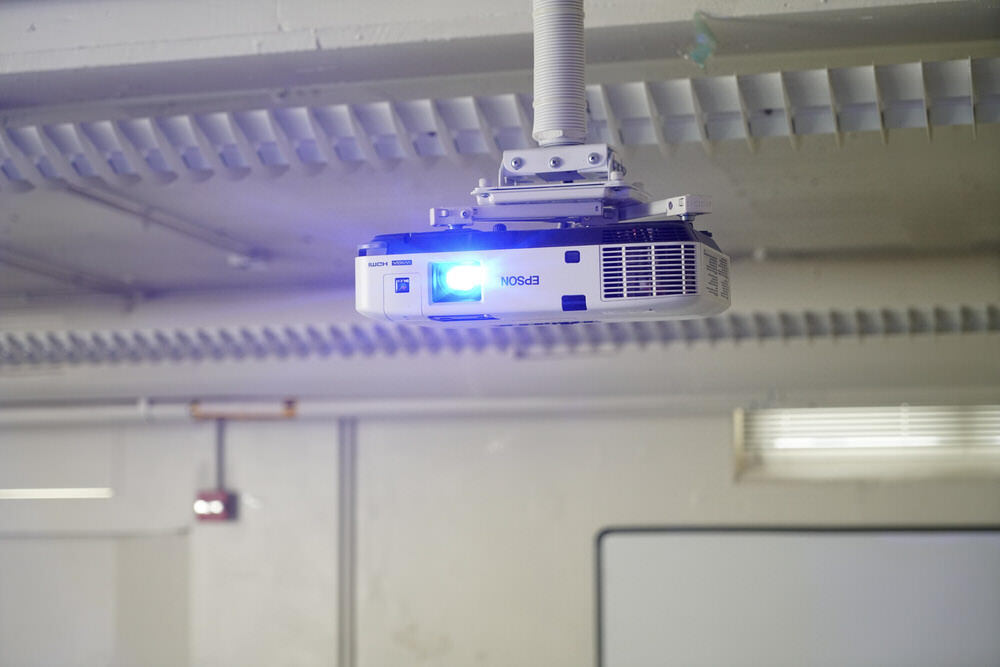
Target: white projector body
625, 271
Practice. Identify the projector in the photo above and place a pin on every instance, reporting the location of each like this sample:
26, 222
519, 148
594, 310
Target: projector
613, 254
609, 252
645, 270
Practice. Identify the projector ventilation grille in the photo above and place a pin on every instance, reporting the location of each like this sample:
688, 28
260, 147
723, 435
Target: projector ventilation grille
717, 272
659, 234
649, 270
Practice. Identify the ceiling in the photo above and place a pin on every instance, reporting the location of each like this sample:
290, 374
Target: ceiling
810, 139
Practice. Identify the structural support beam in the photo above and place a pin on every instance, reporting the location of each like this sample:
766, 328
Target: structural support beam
67, 275
150, 215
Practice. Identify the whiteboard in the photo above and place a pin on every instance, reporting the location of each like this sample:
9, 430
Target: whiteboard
697, 596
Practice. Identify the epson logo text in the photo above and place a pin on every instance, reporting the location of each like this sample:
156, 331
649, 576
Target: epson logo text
518, 281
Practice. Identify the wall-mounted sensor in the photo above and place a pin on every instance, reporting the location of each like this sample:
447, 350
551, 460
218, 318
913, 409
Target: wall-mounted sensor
216, 505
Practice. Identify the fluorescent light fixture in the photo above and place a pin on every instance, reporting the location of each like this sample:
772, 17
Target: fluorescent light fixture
868, 442
962, 427
856, 442
83, 493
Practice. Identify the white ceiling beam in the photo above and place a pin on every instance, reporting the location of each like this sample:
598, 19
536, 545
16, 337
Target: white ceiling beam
857, 362
232, 28
64, 52
85, 280
790, 285
286, 341
151, 215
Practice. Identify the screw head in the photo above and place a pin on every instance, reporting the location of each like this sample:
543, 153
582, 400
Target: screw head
517, 162
465, 213
555, 161
593, 158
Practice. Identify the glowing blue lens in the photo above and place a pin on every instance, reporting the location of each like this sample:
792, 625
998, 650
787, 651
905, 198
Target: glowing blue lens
464, 277
457, 281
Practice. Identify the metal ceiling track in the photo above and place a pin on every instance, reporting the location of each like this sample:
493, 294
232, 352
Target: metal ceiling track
273, 141
278, 342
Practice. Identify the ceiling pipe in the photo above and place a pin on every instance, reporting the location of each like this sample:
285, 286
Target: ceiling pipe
560, 97
144, 411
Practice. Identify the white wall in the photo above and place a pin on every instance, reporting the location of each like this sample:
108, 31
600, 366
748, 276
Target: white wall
57, 602
94, 600
134, 580
153, 600
477, 535
264, 588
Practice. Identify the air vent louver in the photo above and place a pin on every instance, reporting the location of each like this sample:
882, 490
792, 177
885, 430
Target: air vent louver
659, 234
648, 270
717, 270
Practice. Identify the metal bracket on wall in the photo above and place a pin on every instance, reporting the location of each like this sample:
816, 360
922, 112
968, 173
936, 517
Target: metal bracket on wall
287, 410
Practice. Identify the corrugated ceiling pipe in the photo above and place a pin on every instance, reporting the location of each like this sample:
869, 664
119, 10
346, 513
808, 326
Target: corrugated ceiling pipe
560, 98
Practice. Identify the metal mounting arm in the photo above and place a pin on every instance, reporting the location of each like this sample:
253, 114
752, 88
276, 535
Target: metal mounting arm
564, 181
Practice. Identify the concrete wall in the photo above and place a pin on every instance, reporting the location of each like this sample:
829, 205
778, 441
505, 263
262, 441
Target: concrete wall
94, 600
56, 602
264, 588
134, 580
476, 536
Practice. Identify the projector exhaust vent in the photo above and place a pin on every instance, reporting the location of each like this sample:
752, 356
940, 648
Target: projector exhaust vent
717, 270
650, 270
665, 233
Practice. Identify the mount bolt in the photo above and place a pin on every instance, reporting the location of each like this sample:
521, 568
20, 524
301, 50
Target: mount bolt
517, 162
593, 158
555, 161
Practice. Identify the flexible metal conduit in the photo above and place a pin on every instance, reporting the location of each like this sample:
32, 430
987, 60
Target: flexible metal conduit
560, 99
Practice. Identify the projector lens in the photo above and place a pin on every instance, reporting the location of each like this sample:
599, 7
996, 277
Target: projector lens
456, 281
463, 278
